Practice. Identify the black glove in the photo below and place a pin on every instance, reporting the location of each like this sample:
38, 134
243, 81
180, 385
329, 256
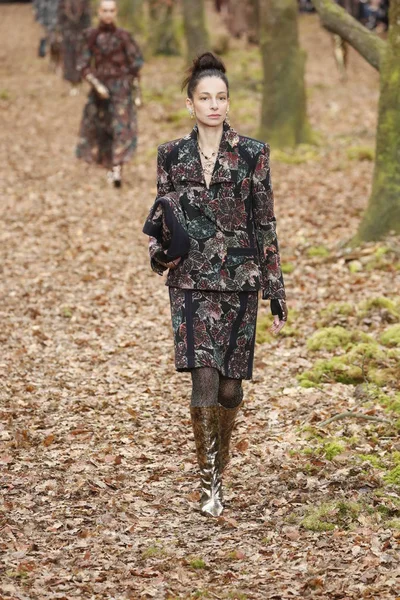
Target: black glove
279, 307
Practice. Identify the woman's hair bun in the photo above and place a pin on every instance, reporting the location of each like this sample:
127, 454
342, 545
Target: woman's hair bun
207, 62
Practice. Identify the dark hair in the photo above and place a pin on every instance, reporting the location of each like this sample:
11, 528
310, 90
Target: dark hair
205, 65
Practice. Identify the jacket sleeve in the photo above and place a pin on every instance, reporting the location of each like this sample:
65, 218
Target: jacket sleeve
265, 225
164, 187
164, 182
133, 53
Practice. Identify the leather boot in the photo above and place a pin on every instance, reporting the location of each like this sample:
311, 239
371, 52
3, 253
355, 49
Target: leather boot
205, 421
227, 418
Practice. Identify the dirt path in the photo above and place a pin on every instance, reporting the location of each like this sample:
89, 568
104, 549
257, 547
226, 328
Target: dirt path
97, 458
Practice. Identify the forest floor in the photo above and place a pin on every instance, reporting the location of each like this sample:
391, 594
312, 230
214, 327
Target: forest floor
98, 474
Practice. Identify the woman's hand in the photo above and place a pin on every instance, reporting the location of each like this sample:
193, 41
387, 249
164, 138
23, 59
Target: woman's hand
280, 312
172, 264
277, 325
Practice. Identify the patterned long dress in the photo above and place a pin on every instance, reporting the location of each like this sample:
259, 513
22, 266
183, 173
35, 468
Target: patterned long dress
73, 19
108, 132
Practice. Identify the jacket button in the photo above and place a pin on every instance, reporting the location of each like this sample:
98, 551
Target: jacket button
220, 234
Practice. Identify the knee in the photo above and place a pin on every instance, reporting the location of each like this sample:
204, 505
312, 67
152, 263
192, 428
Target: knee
230, 395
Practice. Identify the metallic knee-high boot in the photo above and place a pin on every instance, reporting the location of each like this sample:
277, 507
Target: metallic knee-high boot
227, 418
205, 421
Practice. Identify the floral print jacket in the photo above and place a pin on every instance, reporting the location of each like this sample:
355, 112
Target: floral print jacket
231, 224
110, 53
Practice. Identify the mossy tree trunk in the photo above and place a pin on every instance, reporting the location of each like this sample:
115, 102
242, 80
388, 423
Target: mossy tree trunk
383, 211
163, 37
283, 114
195, 28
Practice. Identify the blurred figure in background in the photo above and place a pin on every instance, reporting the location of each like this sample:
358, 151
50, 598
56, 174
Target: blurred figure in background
110, 61
340, 46
73, 19
374, 14
46, 15
371, 13
306, 6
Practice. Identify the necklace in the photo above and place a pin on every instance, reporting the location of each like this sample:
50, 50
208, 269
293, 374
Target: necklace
208, 162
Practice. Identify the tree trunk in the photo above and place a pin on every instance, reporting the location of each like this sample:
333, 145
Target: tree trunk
383, 212
336, 19
283, 114
162, 35
195, 28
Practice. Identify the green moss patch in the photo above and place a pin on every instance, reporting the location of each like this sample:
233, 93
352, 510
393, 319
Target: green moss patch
336, 311
362, 360
4, 95
330, 515
391, 336
318, 252
389, 464
392, 476
379, 304
154, 551
360, 153
327, 448
373, 459
197, 563
331, 338
391, 403
287, 267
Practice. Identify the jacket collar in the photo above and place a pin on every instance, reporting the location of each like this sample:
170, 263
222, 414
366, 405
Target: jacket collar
226, 165
111, 27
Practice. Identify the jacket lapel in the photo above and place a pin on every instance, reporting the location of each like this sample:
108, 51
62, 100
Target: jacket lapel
226, 165
188, 169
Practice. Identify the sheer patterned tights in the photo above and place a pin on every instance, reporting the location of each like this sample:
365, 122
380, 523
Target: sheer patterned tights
210, 388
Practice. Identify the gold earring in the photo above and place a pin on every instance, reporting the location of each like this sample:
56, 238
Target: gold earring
191, 113
227, 117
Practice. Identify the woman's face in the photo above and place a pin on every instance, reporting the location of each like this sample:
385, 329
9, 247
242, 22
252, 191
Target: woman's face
108, 12
210, 101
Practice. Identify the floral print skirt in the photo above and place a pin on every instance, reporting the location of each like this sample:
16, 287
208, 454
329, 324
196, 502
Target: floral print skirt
108, 132
214, 329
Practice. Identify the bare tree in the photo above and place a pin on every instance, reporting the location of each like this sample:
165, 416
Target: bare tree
383, 211
283, 115
195, 27
162, 32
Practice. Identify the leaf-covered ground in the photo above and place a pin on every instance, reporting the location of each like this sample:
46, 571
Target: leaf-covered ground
98, 475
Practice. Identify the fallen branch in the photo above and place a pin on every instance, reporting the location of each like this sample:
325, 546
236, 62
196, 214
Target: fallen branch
337, 20
352, 415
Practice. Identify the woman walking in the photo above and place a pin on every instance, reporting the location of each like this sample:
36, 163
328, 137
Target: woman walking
74, 17
218, 185
110, 62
